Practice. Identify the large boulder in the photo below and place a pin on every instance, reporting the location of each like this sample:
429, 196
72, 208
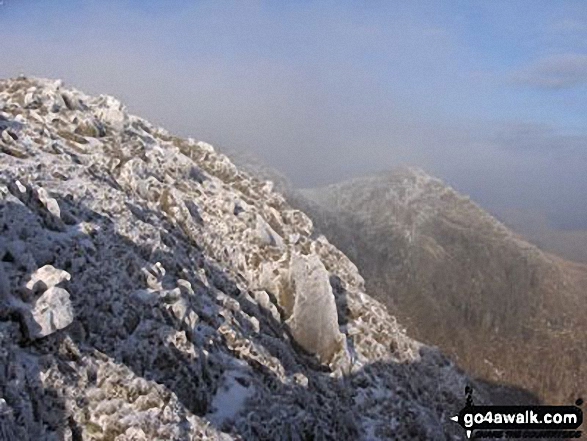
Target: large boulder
50, 311
314, 321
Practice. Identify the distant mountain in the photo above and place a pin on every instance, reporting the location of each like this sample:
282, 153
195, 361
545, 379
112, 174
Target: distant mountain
150, 289
458, 278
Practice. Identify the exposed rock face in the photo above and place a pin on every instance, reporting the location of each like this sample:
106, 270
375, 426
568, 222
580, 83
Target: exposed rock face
180, 299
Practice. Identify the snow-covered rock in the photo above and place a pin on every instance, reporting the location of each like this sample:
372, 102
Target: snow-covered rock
46, 277
193, 302
51, 312
314, 320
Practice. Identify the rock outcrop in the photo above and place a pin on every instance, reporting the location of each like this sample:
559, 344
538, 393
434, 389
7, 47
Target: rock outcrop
314, 317
173, 296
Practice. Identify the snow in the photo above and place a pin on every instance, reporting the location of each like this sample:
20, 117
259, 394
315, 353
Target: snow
230, 398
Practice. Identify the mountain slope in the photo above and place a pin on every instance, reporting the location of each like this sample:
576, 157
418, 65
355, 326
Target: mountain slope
151, 290
458, 278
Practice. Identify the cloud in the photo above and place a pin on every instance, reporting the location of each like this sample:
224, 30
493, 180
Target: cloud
525, 137
561, 71
237, 80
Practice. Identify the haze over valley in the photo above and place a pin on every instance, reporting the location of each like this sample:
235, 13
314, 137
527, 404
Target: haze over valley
487, 96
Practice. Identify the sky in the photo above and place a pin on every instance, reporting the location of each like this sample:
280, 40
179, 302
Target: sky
490, 96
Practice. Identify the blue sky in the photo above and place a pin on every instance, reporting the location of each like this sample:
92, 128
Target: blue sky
489, 95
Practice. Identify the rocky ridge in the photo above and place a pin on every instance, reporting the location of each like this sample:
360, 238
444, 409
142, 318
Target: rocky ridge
150, 289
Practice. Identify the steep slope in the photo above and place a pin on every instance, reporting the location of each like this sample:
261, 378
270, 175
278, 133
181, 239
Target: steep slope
151, 290
458, 278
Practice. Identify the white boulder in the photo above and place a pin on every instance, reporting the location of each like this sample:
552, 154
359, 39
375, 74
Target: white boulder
49, 313
314, 322
46, 277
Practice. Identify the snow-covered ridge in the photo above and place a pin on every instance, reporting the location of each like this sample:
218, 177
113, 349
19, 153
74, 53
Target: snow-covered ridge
145, 280
405, 190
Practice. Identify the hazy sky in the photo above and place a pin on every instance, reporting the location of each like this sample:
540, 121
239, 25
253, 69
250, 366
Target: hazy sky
488, 95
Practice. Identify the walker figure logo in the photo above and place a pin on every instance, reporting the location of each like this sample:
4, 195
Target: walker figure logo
520, 421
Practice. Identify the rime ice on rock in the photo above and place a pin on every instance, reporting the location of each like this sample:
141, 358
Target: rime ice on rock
49, 313
46, 277
50, 204
52, 309
265, 234
180, 296
314, 321
111, 112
